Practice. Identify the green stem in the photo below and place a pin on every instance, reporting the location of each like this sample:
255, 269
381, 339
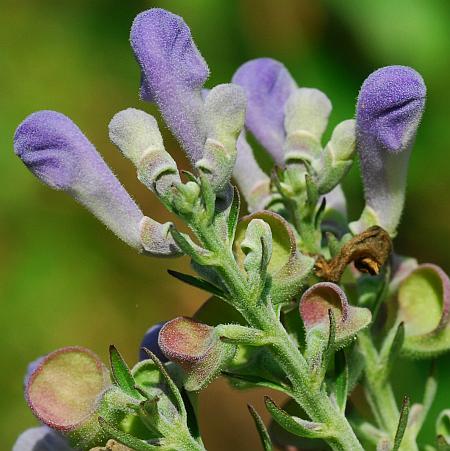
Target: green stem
380, 393
314, 401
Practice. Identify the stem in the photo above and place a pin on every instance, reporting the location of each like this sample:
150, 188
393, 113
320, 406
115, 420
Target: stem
261, 316
380, 394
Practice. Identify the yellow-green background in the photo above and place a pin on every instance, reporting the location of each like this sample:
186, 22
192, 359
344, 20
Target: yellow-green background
65, 280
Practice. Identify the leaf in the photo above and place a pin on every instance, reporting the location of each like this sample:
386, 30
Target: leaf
188, 247
341, 380
262, 431
295, 425
170, 383
257, 382
121, 373
355, 363
197, 282
124, 438
390, 351
402, 423
233, 215
209, 197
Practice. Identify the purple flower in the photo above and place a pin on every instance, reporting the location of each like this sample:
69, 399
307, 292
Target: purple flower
41, 438
57, 152
389, 109
173, 74
268, 85
150, 341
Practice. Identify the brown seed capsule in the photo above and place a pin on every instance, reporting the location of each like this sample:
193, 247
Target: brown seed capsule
369, 251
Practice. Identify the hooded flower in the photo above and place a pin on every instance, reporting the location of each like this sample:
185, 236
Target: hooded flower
389, 109
56, 151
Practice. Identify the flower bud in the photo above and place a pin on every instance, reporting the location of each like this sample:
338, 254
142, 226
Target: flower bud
137, 135
389, 109
56, 151
224, 118
41, 438
306, 118
150, 342
268, 85
197, 348
337, 157
173, 74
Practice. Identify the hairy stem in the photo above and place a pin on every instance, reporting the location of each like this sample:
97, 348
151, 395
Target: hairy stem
261, 315
380, 394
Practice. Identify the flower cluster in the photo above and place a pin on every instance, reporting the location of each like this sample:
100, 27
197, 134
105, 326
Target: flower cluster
294, 288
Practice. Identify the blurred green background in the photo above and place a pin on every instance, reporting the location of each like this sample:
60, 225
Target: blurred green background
65, 280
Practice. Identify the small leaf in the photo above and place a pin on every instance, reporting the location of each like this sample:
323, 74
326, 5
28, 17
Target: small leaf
402, 423
170, 383
188, 247
233, 215
209, 197
198, 283
341, 380
312, 194
295, 425
121, 373
124, 438
391, 348
262, 430
247, 380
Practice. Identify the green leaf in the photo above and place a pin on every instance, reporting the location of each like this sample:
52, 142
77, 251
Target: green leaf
295, 425
189, 175
262, 431
170, 383
312, 195
209, 197
248, 380
341, 380
233, 215
184, 242
402, 423
390, 351
355, 363
121, 373
124, 438
198, 283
